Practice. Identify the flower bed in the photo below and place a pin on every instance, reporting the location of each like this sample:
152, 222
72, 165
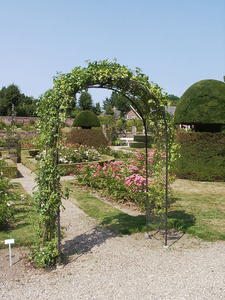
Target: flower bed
126, 181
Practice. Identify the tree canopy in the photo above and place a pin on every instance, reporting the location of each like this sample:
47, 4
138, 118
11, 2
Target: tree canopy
85, 101
23, 105
117, 100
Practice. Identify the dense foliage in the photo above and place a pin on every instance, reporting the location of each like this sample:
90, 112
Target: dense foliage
202, 105
75, 153
85, 101
86, 119
6, 197
11, 97
89, 137
126, 181
116, 100
202, 156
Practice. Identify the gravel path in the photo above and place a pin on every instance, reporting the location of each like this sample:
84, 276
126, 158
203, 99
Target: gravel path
102, 265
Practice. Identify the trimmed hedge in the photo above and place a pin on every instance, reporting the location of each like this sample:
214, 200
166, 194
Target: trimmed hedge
10, 169
89, 137
202, 156
202, 105
28, 160
86, 119
140, 141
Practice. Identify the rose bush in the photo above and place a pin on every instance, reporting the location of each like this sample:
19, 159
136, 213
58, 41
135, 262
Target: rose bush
6, 198
75, 153
126, 181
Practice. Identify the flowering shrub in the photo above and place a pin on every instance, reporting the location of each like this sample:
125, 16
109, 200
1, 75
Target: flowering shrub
126, 181
75, 153
27, 145
6, 204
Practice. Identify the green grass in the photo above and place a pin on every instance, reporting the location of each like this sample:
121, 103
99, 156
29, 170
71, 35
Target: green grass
24, 223
204, 206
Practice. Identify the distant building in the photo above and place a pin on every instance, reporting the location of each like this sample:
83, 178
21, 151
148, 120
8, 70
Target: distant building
133, 114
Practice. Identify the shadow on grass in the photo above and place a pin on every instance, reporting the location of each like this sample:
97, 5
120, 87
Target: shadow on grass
125, 224
180, 220
178, 223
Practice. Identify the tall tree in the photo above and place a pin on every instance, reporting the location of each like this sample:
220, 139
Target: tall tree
85, 101
23, 105
109, 110
109, 101
122, 104
119, 101
97, 109
9, 96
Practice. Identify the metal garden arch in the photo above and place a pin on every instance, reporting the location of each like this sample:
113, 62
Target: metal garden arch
146, 98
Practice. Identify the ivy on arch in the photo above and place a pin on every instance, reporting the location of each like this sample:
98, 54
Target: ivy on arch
146, 97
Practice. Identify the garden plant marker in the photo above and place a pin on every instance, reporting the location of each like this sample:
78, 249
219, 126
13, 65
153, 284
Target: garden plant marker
9, 242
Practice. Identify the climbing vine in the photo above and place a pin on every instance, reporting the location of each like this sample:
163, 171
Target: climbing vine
98, 74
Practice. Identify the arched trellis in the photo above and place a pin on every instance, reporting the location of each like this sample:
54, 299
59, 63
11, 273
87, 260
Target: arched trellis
145, 97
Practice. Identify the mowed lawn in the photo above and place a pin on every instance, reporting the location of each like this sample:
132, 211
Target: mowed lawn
204, 206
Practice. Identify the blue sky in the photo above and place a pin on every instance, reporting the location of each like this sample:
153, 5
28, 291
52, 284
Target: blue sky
175, 42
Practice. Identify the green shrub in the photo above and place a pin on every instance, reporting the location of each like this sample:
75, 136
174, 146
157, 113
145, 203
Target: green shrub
86, 119
129, 125
137, 145
3, 125
119, 125
6, 197
10, 170
2, 142
28, 160
202, 156
140, 141
47, 255
89, 137
19, 125
117, 142
202, 105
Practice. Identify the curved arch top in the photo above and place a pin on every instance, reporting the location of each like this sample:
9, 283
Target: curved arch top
145, 96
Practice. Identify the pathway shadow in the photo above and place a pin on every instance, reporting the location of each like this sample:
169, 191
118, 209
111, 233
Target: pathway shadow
86, 241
